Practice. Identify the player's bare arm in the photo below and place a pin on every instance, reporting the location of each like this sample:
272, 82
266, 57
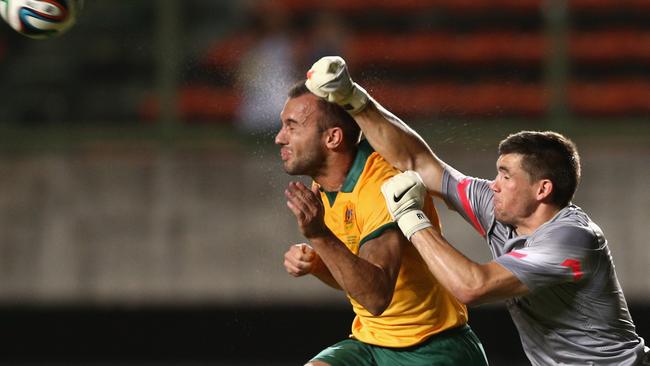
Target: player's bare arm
368, 278
470, 282
393, 139
399, 144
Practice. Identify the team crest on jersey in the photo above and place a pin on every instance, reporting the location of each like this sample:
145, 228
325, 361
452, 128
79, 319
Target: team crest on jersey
349, 216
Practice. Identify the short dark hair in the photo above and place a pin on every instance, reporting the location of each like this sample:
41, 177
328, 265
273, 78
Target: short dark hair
333, 115
547, 155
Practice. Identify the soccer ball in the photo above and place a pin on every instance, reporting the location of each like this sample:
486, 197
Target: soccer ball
40, 19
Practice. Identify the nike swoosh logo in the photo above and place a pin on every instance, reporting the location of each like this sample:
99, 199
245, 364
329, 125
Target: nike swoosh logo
399, 197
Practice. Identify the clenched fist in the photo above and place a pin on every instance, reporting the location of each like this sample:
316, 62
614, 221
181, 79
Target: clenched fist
300, 259
329, 78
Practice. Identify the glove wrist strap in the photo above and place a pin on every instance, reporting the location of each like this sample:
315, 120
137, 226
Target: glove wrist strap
412, 222
357, 100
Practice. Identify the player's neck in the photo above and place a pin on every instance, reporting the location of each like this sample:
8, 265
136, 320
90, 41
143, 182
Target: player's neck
543, 214
335, 171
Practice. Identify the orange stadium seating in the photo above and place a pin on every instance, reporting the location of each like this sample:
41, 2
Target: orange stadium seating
455, 54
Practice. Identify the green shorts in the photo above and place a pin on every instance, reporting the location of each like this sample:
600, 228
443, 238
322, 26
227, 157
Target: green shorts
458, 346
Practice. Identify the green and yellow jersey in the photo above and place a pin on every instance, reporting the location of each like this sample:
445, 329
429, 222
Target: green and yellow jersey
421, 307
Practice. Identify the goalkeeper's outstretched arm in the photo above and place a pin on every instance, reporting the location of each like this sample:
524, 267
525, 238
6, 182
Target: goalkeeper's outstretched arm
399, 144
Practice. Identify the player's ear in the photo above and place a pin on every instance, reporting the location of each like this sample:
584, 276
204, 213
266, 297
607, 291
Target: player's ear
334, 137
544, 189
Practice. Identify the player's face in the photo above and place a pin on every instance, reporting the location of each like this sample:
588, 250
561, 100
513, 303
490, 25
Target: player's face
300, 138
514, 193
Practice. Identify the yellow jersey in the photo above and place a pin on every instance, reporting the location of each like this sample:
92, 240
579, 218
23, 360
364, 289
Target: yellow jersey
420, 307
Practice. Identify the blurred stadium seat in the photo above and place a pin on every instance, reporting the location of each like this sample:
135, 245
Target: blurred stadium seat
425, 58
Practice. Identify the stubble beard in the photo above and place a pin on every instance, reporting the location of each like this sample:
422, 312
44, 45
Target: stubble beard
310, 166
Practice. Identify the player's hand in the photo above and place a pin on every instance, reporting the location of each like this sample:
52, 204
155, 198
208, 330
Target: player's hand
300, 259
329, 78
307, 206
404, 194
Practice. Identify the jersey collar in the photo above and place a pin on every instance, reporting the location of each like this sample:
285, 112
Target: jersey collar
364, 150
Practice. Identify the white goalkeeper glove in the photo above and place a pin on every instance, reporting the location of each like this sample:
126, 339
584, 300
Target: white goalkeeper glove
329, 78
404, 194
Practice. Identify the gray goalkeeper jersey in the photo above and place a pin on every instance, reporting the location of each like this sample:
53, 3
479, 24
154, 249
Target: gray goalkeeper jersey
575, 312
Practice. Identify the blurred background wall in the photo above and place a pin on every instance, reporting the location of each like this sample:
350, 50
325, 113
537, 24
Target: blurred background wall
141, 205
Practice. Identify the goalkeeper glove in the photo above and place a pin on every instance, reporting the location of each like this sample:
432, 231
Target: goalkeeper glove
404, 194
329, 78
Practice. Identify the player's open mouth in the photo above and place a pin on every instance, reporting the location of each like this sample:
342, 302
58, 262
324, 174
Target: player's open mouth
284, 154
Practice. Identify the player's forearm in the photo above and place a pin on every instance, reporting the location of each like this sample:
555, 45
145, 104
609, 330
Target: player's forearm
324, 275
399, 144
389, 136
465, 279
365, 282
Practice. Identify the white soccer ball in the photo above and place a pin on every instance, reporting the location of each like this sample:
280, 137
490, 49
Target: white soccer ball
40, 19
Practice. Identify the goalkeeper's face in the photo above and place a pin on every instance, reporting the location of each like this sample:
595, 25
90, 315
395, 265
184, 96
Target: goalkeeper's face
301, 140
516, 195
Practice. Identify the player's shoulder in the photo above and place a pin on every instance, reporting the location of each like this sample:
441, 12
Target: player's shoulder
376, 168
367, 174
571, 226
